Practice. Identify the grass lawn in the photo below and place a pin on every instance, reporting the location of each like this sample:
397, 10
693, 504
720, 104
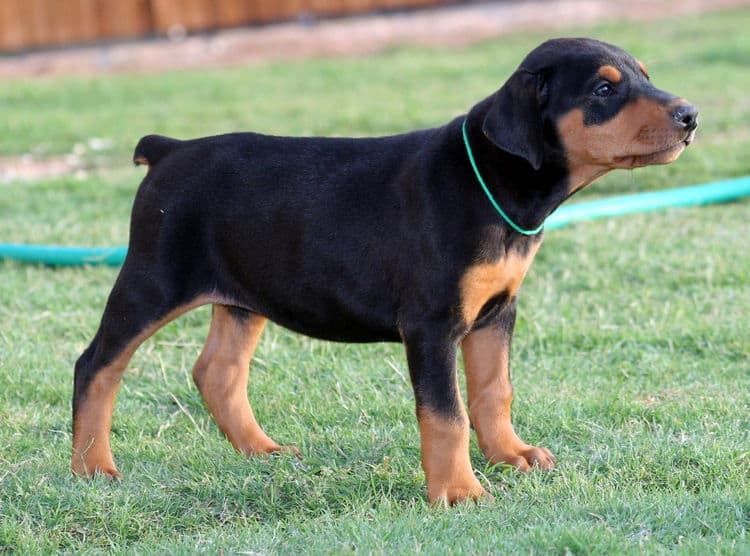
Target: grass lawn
631, 359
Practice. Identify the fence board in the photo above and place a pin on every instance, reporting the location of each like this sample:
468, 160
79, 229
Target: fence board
130, 18
231, 13
11, 34
191, 14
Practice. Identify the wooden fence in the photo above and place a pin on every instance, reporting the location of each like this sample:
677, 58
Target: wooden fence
28, 24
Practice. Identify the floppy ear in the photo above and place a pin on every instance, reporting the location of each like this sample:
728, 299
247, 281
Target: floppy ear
514, 121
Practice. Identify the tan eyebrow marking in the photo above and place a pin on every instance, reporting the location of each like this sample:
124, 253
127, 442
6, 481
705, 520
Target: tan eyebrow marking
610, 73
643, 68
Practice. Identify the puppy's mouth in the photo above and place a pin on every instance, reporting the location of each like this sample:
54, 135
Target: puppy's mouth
662, 156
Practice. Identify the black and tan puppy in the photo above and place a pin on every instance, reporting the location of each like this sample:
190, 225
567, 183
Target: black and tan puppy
385, 239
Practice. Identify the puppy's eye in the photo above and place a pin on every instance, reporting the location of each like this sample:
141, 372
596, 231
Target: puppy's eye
604, 90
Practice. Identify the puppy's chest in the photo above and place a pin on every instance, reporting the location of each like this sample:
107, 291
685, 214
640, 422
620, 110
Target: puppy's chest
484, 281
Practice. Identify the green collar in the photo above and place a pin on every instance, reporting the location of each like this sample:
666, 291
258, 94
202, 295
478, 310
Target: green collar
486, 190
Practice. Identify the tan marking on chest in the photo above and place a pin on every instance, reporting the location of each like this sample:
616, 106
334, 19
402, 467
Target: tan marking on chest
482, 282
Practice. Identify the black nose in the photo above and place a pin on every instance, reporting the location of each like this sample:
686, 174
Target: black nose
686, 115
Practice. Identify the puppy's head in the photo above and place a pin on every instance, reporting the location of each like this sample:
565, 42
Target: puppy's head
590, 104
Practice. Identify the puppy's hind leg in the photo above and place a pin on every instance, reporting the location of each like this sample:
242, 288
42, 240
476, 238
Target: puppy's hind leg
136, 308
221, 374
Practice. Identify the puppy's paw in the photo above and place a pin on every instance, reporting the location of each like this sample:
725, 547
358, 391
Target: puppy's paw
525, 458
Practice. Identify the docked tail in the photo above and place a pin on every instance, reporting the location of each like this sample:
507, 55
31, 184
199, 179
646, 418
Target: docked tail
152, 148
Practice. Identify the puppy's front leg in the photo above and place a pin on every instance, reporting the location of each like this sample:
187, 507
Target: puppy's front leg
443, 423
486, 354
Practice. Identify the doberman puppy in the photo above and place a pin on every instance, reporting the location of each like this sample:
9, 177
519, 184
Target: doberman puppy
422, 238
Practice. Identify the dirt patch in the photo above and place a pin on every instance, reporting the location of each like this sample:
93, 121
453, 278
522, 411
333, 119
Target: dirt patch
28, 168
83, 159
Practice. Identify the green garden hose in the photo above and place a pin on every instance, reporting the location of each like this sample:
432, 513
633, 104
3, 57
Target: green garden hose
696, 195
710, 193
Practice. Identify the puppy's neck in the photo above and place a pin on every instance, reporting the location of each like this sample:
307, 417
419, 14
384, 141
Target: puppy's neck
526, 195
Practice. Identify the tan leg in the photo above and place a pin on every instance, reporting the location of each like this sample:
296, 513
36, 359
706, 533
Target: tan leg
445, 459
93, 420
221, 374
443, 423
486, 353
94, 399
